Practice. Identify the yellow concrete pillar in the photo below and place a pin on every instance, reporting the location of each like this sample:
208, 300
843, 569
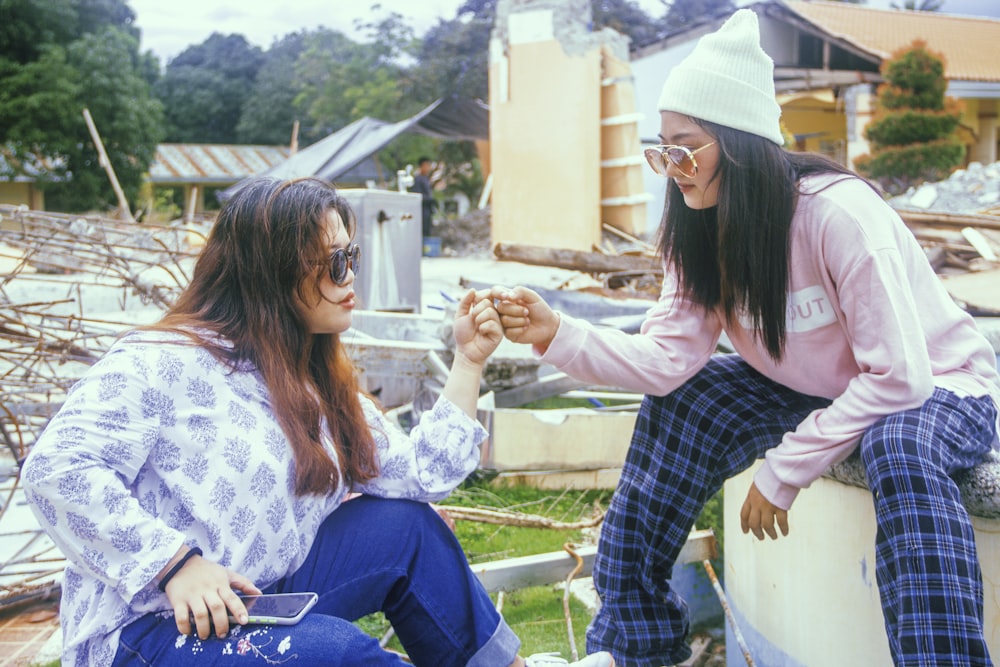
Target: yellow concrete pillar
860, 107
545, 114
985, 150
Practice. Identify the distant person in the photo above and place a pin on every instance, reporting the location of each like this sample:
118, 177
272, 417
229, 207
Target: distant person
845, 341
211, 454
422, 185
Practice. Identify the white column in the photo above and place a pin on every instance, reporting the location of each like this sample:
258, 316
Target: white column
859, 105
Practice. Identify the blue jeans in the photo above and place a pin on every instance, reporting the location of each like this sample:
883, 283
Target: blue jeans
371, 554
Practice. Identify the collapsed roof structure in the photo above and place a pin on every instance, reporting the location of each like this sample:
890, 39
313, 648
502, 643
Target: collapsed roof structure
344, 150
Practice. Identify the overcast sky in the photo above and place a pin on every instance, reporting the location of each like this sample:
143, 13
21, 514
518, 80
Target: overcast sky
170, 26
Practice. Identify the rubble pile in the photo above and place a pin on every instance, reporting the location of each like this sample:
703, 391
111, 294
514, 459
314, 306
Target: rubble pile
974, 189
465, 235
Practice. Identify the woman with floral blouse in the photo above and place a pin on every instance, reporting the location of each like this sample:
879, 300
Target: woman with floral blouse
211, 454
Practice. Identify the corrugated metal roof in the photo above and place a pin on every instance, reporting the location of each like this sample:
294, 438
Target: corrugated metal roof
212, 163
968, 44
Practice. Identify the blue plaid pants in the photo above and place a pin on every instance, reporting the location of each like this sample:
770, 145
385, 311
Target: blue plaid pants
686, 444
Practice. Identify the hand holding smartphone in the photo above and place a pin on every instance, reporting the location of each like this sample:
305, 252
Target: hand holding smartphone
277, 608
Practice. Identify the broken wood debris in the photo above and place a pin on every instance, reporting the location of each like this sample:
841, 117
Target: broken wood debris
519, 519
964, 251
545, 569
576, 260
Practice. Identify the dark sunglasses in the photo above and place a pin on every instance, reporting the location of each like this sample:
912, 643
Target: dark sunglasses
343, 259
680, 156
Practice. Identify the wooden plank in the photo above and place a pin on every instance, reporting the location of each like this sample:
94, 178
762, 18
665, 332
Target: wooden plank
977, 290
567, 439
545, 569
979, 241
560, 480
980, 220
574, 260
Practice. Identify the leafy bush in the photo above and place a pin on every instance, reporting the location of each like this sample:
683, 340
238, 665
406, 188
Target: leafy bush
931, 161
907, 126
913, 130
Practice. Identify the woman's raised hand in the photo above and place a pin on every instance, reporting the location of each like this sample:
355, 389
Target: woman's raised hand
477, 327
525, 316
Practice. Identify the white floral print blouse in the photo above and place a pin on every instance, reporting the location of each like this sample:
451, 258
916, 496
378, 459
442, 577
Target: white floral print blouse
159, 445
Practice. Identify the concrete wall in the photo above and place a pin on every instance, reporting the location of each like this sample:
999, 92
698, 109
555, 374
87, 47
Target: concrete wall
545, 140
981, 119
810, 599
820, 122
22, 194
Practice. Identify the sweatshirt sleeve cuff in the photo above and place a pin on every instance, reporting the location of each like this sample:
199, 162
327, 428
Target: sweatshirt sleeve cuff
569, 339
777, 492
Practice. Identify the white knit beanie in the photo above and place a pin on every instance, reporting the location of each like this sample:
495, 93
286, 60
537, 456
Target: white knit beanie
728, 80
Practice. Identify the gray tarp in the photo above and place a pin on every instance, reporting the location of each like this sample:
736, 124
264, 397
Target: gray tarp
337, 154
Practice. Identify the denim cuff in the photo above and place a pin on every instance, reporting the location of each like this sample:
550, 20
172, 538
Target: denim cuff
500, 649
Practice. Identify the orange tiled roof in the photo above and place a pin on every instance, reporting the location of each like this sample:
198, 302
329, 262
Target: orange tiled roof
970, 45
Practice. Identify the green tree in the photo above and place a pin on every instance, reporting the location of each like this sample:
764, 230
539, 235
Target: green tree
453, 58
38, 107
913, 131
269, 112
343, 80
27, 27
94, 15
323, 51
204, 89
628, 18
374, 80
56, 58
127, 116
682, 13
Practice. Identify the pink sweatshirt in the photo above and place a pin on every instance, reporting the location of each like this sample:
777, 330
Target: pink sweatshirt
869, 326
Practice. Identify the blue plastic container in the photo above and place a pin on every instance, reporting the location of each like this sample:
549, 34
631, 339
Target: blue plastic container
432, 246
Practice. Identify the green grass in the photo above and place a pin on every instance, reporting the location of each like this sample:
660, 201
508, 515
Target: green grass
563, 402
535, 614
487, 542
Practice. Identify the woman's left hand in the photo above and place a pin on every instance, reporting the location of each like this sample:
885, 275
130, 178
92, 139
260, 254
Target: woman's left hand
477, 327
759, 515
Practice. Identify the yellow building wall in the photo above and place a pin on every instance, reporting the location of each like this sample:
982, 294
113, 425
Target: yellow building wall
980, 119
545, 145
22, 194
821, 124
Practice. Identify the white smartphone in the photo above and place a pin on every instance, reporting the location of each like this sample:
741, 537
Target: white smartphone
277, 608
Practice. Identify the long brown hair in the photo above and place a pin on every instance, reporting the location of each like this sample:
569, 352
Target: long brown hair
263, 258
735, 254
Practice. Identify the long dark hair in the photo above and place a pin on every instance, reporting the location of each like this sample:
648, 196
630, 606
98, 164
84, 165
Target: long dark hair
264, 257
735, 255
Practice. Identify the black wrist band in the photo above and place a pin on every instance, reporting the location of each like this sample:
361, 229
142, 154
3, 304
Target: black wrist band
192, 552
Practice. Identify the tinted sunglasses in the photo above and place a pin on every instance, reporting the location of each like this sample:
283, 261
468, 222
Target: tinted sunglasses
343, 259
680, 156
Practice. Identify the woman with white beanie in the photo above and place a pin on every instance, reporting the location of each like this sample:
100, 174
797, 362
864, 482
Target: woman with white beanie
845, 340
